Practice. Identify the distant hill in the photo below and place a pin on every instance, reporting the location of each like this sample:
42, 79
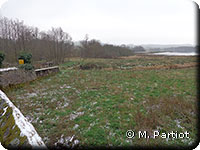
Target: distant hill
152, 46
184, 49
156, 47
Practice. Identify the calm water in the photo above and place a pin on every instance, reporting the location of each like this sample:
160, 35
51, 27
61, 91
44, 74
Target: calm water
176, 54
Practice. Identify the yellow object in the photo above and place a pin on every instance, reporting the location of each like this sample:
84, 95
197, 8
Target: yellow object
21, 61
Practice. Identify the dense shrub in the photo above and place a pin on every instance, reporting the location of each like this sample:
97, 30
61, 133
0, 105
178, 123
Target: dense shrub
27, 61
26, 57
26, 66
2, 56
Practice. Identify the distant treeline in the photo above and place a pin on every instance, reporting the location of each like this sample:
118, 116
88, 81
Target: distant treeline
181, 49
52, 45
185, 49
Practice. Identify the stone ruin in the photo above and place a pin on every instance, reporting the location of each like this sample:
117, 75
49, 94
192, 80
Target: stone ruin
14, 76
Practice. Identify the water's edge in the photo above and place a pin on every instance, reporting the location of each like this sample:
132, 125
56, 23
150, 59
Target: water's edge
176, 54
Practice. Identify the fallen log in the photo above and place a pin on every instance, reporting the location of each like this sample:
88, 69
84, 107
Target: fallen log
46, 71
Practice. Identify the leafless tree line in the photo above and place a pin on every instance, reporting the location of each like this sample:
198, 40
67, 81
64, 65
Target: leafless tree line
95, 49
52, 45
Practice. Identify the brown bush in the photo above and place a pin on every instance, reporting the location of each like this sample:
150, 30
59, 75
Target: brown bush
91, 65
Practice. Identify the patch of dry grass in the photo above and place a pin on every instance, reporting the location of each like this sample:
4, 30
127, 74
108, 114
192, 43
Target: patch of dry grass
161, 112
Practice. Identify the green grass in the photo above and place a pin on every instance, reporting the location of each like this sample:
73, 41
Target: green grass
112, 101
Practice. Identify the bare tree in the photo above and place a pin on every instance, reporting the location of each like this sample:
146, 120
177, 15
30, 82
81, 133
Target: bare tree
53, 45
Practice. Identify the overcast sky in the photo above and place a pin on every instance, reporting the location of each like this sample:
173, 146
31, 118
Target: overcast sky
111, 21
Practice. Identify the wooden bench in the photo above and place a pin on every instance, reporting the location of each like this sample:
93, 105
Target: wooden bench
46, 71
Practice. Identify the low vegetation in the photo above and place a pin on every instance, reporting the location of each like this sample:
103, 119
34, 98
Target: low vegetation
2, 56
98, 100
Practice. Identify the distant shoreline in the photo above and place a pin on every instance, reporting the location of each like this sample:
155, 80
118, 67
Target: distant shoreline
176, 53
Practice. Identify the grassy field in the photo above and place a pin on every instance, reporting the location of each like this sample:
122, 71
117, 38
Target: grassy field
98, 100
